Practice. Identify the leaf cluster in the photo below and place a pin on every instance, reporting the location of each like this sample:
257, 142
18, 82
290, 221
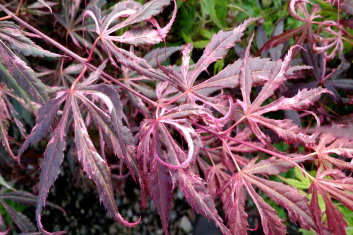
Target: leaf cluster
169, 124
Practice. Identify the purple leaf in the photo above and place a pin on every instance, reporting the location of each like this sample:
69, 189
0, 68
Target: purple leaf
161, 188
198, 198
45, 117
22, 222
95, 166
50, 166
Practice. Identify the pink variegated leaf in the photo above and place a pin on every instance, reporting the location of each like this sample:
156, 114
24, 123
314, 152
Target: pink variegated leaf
339, 188
329, 145
95, 166
118, 135
45, 4
121, 9
193, 187
335, 220
145, 35
229, 77
295, 203
253, 111
184, 68
315, 208
45, 118
300, 10
23, 75
135, 13
246, 78
145, 12
274, 166
277, 77
137, 64
138, 37
159, 128
189, 135
198, 198
301, 101
216, 176
217, 48
161, 189
50, 166
286, 129
15, 38
271, 223
38, 5
234, 205
144, 151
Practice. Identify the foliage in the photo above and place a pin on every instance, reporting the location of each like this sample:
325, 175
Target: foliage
242, 137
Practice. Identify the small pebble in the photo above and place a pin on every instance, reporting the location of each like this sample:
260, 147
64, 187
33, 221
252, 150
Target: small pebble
185, 224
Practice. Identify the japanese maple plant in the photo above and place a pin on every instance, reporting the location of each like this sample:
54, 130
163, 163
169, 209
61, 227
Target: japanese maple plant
175, 126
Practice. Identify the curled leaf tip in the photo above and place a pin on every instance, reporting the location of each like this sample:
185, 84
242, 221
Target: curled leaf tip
125, 222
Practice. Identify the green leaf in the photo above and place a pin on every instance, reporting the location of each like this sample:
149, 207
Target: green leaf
200, 44
5, 184
209, 7
302, 182
222, 10
218, 66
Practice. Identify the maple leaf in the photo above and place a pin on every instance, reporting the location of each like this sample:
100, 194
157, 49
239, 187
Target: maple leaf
161, 188
140, 83
93, 164
176, 118
305, 11
61, 76
15, 38
43, 2
340, 188
324, 76
215, 50
72, 18
8, 193
329, 144
216, 176
9, 113
20, 77
135, 13
176, 161
295, 203
196, 194
253, 111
